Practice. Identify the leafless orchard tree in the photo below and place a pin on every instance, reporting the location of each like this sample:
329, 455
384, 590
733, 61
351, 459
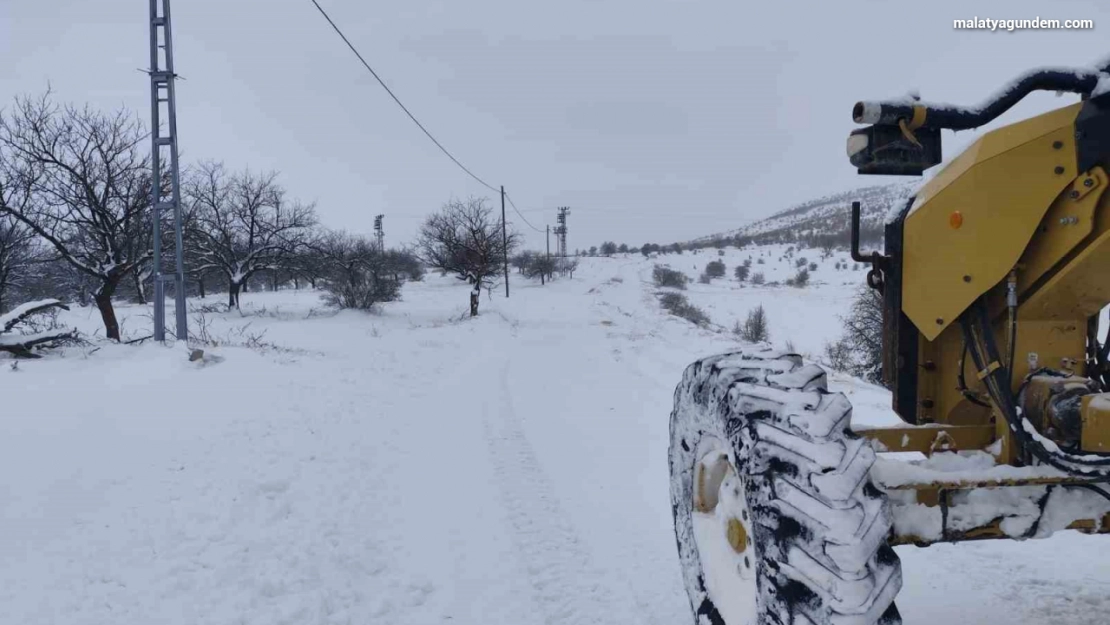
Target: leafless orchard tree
567, 266
242, 223
465, 238
20, 256
522, 260
541, 266
79, 180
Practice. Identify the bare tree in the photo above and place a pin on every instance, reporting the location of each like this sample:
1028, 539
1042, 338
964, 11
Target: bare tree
859, 351
567, 266
542, 267
405, 265
241, 224
522, 260
19, 256
464, 238
78, 179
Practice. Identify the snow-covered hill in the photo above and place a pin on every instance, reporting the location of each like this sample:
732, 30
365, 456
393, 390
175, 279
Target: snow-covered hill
829, 215
417, 466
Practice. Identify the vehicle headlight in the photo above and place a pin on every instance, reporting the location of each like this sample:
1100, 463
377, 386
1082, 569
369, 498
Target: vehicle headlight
856, 144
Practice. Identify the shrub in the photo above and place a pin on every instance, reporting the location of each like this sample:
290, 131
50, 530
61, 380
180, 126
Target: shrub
813, 266
720, 252
360, 289
800, 279
758, 278
356, 274
741, 272
705, 279
667, 277
715, 269
679, 306
859, 351
754, 329
801, 262
760, 261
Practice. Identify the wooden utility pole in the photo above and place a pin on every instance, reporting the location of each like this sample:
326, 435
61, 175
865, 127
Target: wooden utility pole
549, 241
505, 240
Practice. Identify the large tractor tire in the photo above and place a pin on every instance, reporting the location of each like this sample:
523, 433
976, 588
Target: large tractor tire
775, 515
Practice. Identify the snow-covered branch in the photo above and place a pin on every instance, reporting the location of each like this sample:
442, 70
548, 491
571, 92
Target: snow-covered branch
21, 344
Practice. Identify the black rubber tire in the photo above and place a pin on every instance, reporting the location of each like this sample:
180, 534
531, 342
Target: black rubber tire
819, 525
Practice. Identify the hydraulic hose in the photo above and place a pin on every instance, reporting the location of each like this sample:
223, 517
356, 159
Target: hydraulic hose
1082, 82
961, 382
975, 324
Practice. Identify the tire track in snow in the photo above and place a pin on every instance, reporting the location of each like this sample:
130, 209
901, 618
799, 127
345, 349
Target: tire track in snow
568, 587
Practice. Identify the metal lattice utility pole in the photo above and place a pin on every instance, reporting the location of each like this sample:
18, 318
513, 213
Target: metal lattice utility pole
379, 233
561, 230
162, 93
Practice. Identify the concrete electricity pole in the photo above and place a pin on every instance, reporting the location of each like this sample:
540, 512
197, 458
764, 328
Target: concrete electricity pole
162, 93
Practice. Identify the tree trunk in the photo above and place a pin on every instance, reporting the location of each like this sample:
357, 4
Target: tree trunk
103, 300
474, 299
200, 287
140, 293
274, 280
233, 289
296, 283
312, 281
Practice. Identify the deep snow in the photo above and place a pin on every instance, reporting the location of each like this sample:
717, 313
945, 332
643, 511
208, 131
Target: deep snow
416, 466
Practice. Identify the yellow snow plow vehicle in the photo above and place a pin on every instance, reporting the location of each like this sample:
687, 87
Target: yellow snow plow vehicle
993, 279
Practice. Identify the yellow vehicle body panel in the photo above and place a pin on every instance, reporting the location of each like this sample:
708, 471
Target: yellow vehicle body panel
1001, 187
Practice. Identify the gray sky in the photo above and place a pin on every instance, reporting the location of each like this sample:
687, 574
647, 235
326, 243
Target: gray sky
654, 120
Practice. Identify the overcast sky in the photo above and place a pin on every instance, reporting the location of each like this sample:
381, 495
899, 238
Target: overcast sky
654, 120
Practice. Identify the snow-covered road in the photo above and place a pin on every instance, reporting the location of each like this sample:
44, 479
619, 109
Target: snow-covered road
413, 468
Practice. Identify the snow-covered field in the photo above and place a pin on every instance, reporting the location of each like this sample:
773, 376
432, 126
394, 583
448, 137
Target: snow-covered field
417, 467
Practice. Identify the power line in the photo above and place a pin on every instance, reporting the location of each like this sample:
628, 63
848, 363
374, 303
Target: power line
398, 101
521, 215
413, 117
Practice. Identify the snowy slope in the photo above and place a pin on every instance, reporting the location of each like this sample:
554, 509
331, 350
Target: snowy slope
417, 467
829, 214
